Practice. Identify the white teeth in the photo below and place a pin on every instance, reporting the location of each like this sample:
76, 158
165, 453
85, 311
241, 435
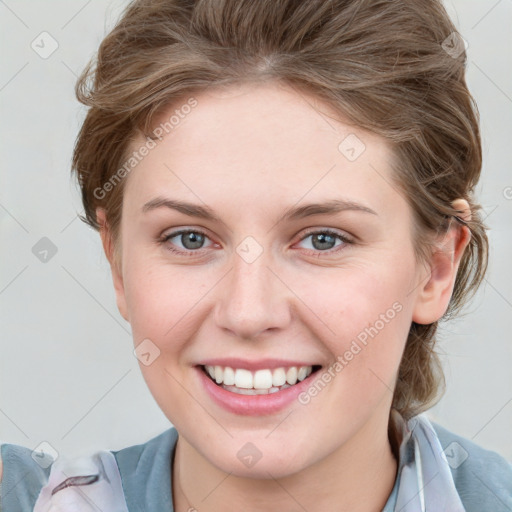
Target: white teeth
278, 377
262, 379
265, 381
301, 374
291, 375
243, 379
229, 376
242, 391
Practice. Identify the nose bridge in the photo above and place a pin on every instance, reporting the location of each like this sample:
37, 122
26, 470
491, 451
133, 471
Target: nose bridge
253, 299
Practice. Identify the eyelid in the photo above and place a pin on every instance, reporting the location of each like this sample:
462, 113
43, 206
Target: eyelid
181, 231
342, 234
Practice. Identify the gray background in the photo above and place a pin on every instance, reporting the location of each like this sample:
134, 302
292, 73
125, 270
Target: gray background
67, 372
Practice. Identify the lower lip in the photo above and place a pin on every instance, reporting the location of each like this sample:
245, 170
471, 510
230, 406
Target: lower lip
253, 405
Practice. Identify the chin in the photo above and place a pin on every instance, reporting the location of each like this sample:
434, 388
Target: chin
246, 456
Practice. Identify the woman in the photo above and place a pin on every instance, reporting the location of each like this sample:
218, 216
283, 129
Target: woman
284, 191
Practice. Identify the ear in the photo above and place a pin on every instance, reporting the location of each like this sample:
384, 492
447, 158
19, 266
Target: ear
115, 267
437, 288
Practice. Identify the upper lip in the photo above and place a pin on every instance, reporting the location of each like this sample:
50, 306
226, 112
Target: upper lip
260, 364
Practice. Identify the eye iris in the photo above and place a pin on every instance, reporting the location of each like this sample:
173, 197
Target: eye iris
192, 240
325, 241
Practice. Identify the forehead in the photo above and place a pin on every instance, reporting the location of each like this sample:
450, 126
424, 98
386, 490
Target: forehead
266, 140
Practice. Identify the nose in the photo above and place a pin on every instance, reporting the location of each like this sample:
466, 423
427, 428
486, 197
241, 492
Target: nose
253, 299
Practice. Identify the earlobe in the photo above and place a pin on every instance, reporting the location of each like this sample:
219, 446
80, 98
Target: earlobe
117, 276
436, 289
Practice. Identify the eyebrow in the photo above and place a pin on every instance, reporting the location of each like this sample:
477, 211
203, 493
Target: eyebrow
293, 213
332, 206
192, 210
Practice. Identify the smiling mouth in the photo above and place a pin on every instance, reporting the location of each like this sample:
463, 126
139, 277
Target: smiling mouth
259, 382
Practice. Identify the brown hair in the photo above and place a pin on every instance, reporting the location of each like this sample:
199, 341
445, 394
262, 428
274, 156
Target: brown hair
387, 66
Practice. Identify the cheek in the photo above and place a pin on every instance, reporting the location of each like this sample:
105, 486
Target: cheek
163, 304
366, 316
356, 299
163, 301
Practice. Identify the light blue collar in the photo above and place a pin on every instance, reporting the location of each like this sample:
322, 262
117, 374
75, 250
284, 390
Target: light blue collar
139, 477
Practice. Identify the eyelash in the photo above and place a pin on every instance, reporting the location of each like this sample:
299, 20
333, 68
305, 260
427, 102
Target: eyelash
190, 252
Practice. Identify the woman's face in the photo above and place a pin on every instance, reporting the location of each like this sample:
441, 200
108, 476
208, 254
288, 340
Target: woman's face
300, 255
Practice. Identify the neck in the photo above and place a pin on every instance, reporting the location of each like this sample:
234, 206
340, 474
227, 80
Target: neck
338, 482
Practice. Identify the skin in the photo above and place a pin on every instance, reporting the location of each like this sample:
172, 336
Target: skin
248, 153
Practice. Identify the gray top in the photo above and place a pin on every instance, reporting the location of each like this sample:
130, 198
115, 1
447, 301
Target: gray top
483, 479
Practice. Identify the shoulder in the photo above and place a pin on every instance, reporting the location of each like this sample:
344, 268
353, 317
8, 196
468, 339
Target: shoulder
482, 477
136, 455
131, 473
24, 474
145, 470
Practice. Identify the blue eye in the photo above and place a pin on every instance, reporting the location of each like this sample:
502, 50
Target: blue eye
190, 240
325, 240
